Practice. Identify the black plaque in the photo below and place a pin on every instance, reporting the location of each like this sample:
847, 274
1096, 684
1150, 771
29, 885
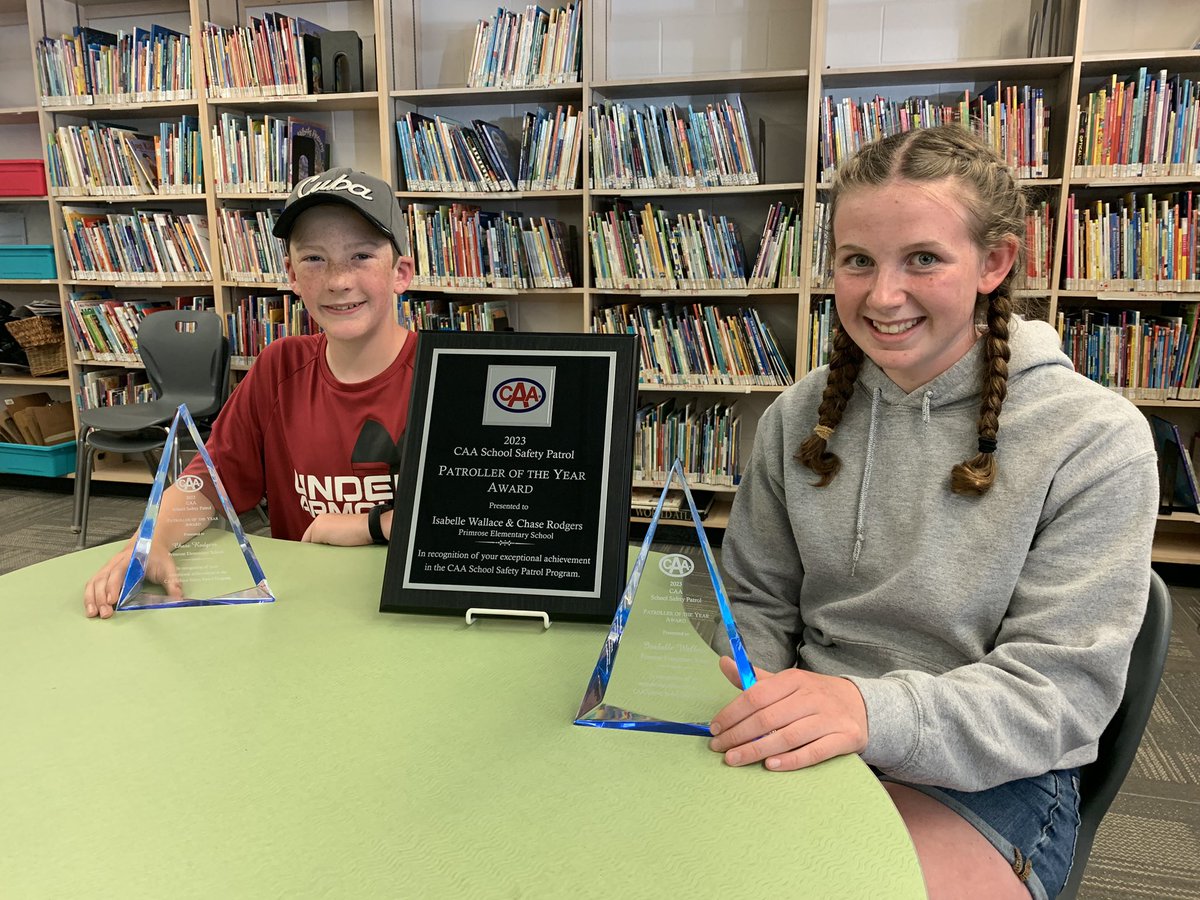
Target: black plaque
514, 489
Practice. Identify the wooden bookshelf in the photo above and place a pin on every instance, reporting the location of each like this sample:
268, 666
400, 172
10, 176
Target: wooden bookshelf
782, 62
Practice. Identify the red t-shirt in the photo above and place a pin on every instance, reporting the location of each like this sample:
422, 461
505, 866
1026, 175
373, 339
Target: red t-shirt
307, 442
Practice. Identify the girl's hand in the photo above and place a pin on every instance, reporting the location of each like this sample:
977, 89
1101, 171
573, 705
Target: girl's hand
790, 719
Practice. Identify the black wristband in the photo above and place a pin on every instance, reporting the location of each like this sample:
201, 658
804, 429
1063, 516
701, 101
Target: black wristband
374, 525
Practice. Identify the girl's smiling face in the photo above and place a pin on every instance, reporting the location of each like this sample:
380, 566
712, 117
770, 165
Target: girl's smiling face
907, 273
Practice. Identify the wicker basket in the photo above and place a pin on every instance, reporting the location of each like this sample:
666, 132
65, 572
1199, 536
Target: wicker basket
42, 340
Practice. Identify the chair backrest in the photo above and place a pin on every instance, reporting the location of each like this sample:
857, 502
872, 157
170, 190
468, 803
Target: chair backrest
187, 359
1099, 781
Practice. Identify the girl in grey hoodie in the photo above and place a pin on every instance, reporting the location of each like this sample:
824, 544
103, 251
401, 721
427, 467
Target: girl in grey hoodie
941, 545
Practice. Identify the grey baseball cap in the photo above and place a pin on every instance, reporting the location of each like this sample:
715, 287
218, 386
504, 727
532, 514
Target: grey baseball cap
368, 195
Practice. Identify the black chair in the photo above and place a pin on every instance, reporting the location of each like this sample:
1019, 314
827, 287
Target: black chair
1099, 781
187, 361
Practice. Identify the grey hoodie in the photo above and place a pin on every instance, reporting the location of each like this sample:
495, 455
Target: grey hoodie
989, 636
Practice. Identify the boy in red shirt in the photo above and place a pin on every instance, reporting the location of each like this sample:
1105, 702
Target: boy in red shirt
315, 425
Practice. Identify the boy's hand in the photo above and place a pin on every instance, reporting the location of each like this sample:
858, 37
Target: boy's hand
102, 591
791, 719
339, 529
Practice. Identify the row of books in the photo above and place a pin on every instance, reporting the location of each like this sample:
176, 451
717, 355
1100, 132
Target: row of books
460, 245
441, 314
105, 329
1039, 246
140, 246
1014, 121
1137, 243
94, 66
113, 160
249, 251
822, 316
664, 147
1146, 126
704, 438
778, 262
694, 344
1143, 357
535, 48
113, 387
259, 319
265, 58
266, 154
440, 154
642, 249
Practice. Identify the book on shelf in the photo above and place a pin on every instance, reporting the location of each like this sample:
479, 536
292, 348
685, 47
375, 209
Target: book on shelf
442, 314
262, 59
644, 501
308, 149
698, 344
499, 152
144, 245
1137, 242
251, 153
1148, 125
536, 48
114, 160
441, 154
704, 438
778, 260
1013, 120
94, 66
257, 320
113, 387
664, 147
1144, 357
643, 249
105, 329
461, 245
249, 250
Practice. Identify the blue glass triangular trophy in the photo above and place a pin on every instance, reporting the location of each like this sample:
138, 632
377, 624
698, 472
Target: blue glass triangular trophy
671, 627
212, 557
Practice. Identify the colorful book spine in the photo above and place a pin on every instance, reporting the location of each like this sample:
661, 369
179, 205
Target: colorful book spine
1138, 242
1142, 357
536, 48
704, 438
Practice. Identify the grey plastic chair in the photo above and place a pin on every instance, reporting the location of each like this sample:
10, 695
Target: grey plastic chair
1099, 781
187, 361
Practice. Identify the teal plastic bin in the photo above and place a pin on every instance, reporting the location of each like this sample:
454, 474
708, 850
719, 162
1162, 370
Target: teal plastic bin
26, 459
27, 261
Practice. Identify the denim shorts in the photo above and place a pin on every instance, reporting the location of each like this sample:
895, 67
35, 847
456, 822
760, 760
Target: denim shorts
1031, 821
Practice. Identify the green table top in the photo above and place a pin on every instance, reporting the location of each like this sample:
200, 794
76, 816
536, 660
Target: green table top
315, 747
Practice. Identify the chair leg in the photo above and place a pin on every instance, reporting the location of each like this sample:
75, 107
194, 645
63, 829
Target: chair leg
80, 455
85, 489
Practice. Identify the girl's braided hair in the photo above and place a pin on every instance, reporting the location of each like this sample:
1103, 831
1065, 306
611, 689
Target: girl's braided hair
995, 207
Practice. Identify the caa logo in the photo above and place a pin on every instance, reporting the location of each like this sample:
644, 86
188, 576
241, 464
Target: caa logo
676, 565
189, 484
519, 395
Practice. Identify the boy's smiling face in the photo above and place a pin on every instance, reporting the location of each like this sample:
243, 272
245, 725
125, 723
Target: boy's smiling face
346, 271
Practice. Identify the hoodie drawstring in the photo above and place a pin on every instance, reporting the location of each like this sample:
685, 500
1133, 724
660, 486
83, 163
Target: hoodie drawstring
925, 406
866, 481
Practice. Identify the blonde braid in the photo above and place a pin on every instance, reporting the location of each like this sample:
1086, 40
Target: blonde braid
844, 363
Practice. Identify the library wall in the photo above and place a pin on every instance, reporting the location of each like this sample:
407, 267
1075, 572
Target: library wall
1158, 25
17, 84
897, 32
444, 44
691, 36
